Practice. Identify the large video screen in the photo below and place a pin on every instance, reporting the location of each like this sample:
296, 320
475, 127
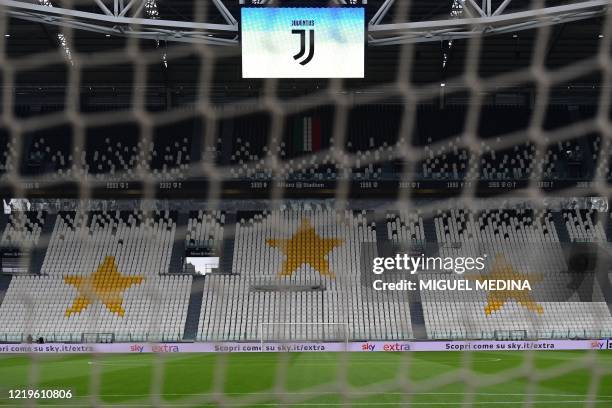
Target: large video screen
303, 42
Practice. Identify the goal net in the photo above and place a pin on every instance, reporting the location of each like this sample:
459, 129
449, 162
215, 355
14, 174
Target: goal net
146, 122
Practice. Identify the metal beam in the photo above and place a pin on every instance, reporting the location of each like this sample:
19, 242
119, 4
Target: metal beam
122, 25
475, 7
424, 31
128, 6
124, 20
225, 12
501, 7
545, 13
103, 7
381, 12
57, 12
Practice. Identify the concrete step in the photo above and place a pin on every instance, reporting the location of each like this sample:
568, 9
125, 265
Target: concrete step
227, 247
560, 227
193, 310
177, 258
5, 281
37, 257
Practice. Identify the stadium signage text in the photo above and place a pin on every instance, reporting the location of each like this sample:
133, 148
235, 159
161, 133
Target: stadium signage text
385, 347
369, 346
302, 23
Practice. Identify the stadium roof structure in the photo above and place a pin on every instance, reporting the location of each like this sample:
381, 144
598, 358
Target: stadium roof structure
179, 30
148, 19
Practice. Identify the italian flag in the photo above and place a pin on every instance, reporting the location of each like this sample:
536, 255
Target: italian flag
306, 134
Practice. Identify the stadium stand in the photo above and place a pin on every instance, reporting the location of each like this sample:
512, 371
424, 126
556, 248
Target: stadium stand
81, 241
319, 282
111, 154
104, 272
459, 225
154, 310
515, 163
445, 166
21, 235
568, 319
23, 229
205, 229
584, 226
298, 267
405, 227
245, 148
169, 157
467, 314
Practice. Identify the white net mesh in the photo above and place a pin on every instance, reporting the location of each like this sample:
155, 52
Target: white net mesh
146, 162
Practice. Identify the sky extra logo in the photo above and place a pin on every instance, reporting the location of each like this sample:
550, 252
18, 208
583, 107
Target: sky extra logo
136, 348
396, 347
600, 344
155, 348
164, 348
307, 32
386, 347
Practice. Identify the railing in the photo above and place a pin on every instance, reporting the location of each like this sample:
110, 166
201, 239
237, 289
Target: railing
454, 335
88, 338
520, 334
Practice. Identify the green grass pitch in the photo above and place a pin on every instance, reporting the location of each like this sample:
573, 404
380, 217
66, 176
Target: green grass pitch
444, 379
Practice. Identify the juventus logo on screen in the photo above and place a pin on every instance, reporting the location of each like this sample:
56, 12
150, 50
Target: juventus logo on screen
303, 42
302, 52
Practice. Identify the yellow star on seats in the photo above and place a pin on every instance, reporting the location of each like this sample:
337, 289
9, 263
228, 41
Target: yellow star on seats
105, 285
503, 270
305, 247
